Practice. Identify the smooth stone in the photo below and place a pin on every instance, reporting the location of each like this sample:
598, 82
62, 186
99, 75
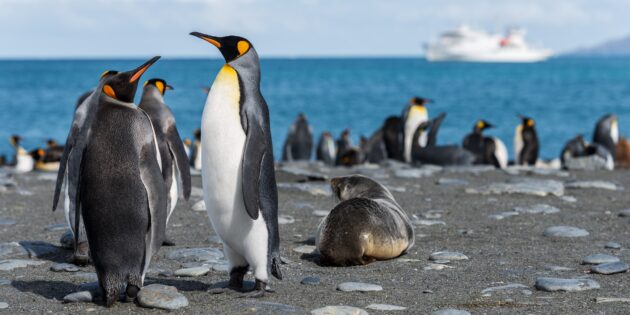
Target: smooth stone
5, 282
10, 264
359, 286
613, 245
558, 268
192, 272
78, 297
451, 182
285, 219
569, 199
425, 171
596, 259
258, 306
13, 250
612, 300
565, 231
399, 189
386, 307
568, 285
59, 267
199, 206
311, 281
89, 276
535, 187
7, 222
311, 188
321, 213
195, 255
305, 249
38, 249
417, 221
437, 267
432, 214
67, 240
507, 287
450, 311
221, 267
405, 260
162, 297
503, 215
92, 287
598, 184
610, 268
56, 227
537, 209
446, 255
624, 213
4, 305
339, 310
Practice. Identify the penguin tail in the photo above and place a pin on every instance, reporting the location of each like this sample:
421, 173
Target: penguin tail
275, 267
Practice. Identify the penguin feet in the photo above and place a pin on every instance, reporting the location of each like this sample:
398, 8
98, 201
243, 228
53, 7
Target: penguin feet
81, 255
236, 281
259, 290
131, 293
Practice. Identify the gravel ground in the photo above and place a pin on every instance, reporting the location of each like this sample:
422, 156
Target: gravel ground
511, 250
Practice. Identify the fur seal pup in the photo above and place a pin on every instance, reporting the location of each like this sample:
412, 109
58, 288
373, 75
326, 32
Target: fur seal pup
366, 225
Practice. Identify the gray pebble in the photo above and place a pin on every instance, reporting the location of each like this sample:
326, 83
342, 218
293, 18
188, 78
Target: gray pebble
613, 245
59, 267
162, 297
535, 187
610, 268
78, 297
451, 182
537, 209
339, 310
195, 255
599, 184
446, 255
305, 249
310, 281
321, 213
285, 219
56, 227
10, 264
565, 231
568, 285
450, 311
7, 222
558, 268
358, 286
222, 266
386, 307
192, 272
596, 259
4, 305
199, 206
5, 282
507, 287
503, 215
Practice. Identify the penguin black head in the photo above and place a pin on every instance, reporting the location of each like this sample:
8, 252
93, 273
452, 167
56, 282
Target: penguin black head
420, 101
160, 84
197, 134
52, 143
15, 140
38, 154
122, 85
482, 125
231, 47
527, 122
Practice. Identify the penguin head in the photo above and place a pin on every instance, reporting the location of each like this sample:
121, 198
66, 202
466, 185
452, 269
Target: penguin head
527, 122
421, 101
481, 125
187, 142
122, 85
14, 140
231, 47
159, 84
52, 143
197, 134
38, 154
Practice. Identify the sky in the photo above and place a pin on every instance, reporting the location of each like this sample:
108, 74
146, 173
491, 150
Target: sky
290, 28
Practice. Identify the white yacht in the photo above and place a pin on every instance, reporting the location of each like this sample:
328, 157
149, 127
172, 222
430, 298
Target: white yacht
470, 45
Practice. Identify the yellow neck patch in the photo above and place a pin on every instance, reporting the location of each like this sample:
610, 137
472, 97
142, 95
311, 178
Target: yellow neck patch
480, 125
242, 47
530, 122
107, 89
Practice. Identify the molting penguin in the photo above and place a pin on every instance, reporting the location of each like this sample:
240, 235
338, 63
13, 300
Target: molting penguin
366, 225
175, 164
238, 167
122, 196
299, 142
414, 114
394, 138
607, 133
526, 145
41, 163
326, 149
23, 161
426, 151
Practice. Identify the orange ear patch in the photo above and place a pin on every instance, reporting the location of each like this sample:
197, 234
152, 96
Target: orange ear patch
242, 47
107, 89
160, 86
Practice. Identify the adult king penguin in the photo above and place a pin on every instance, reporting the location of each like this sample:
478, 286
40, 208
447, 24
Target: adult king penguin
175, 164
299, 142
526, 142
238, 167
121, 193
415, 114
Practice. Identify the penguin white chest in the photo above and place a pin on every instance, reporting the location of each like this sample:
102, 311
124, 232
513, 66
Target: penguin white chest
416, 116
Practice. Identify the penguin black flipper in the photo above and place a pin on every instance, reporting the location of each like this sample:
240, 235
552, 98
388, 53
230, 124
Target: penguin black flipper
435, 127
176, 146
252, 164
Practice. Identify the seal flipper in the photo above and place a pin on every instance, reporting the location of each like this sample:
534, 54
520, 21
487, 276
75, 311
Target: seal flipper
176, 146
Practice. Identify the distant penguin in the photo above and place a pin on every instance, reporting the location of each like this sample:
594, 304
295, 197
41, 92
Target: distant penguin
122, 196
195, 160
175, 164
366, 225
53, 151
373, 148
299, 142
238, 173
574, 148
350, 157
495, 152
41, 163
474, 141
326, 149
414, 114
393, 138
426, 151
344, 142
187, 148
607, 133
526, 144
23, 161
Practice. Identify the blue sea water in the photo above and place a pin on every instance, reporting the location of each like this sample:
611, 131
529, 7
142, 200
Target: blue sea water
565, 96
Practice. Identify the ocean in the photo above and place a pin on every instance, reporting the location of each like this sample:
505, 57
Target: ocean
566, 96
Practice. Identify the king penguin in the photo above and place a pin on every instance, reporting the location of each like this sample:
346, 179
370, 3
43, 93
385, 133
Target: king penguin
474, 141
414, 114
526, 145
175, 164
299, 142
238, 175
607, 133
121, 193
326, 149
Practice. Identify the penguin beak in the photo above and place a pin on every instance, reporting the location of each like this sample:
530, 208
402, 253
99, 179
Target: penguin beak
489, 125
168, 87
216, 41
138, 72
